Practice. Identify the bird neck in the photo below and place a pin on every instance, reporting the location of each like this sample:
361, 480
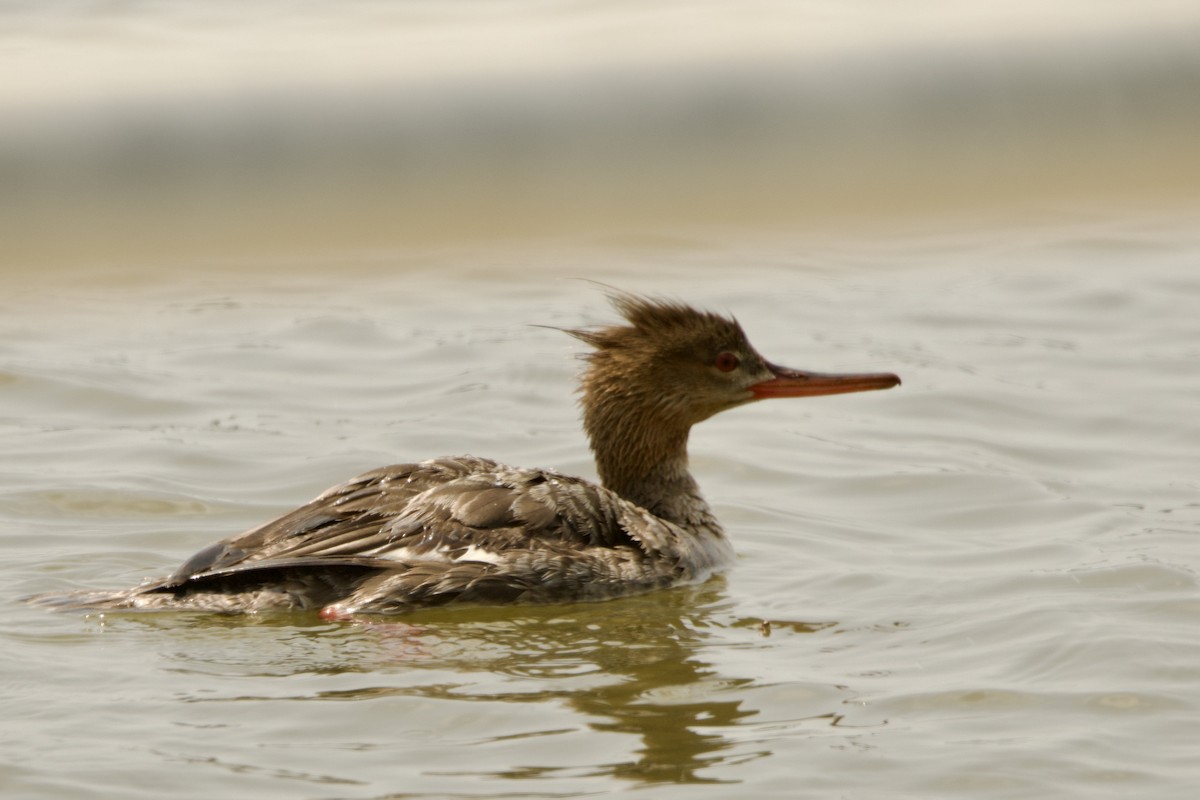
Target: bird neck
643, 458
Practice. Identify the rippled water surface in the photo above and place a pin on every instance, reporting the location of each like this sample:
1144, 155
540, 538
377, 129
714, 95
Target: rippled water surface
981, 584
249, 250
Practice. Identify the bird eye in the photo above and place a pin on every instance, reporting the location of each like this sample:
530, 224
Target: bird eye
727, 362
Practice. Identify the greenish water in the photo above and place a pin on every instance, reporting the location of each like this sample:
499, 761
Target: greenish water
982, 584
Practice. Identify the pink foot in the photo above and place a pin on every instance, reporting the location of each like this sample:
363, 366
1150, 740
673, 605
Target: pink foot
337, 613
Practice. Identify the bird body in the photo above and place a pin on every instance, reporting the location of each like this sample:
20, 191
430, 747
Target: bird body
471, 530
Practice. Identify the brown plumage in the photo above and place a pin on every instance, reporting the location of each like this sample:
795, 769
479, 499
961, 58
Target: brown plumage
467, 529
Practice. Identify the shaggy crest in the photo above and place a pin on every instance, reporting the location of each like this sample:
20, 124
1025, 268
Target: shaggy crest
657, 323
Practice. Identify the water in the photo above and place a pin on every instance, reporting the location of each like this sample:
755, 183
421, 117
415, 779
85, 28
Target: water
981, 584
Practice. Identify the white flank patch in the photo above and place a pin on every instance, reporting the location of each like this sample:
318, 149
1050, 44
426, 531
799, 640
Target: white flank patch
474, 553
408, 554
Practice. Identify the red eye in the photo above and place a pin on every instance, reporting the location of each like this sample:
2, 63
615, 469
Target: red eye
727, 362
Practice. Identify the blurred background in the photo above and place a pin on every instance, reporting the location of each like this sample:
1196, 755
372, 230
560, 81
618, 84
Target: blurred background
169, 131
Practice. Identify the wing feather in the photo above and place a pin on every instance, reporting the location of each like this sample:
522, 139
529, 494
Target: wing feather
422, 514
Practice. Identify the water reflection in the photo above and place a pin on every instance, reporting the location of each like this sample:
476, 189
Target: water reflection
646, 676
635, 666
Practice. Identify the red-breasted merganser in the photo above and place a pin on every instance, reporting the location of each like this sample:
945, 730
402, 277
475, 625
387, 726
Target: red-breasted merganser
470, 530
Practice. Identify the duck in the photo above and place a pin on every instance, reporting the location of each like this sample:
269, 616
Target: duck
470, 530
